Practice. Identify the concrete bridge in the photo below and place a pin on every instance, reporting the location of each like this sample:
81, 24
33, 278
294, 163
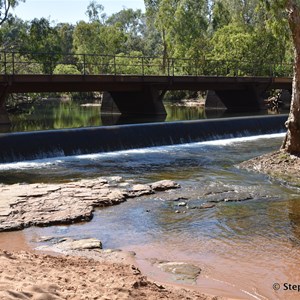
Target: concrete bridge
137, 85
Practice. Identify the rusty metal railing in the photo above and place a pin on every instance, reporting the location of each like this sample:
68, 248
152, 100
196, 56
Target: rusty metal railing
17, 63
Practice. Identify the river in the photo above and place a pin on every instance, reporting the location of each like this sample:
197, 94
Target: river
245, 242
242, 247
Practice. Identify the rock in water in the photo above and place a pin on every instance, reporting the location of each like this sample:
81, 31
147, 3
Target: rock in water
181, 271
164, 185
85, 244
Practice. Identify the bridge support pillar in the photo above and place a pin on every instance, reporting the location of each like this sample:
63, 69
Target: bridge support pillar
148, 101
249, 98
4, 119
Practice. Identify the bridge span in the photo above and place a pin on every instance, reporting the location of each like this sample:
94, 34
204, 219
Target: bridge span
141, 93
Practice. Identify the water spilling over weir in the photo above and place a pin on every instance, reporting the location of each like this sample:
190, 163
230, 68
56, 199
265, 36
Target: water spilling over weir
43, 144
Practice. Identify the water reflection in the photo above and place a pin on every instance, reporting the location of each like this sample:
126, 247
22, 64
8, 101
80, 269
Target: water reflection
116, 119
293, 212
58, 115
53, 115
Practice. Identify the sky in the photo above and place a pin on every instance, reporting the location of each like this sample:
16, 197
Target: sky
69, 11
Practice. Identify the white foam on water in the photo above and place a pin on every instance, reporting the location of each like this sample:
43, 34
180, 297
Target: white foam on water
50, 162
230, 141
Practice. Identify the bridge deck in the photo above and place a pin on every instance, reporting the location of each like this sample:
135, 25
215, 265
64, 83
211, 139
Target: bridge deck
84, 83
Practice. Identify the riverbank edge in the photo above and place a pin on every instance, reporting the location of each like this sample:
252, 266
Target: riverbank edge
36, 274
279, 165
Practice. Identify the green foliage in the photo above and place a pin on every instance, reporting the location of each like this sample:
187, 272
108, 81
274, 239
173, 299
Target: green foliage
5, 6
65, 32
41, 40
95, 39
132, 24
15, 63
128, 64
95, 12
246, 51
220, 15
13, 34
66, 69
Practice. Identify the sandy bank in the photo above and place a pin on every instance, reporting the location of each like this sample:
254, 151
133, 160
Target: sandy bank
26, 275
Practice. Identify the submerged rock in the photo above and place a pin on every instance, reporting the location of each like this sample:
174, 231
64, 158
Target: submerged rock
218, 192
207, 205
181, 271
85, 244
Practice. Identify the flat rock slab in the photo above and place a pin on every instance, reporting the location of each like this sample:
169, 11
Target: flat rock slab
25, 205
164, 185
90, 248
85, 244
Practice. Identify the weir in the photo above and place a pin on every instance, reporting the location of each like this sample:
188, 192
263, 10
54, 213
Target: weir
45, 144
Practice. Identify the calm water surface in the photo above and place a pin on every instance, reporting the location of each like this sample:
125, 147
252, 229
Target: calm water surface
57, 115
243, 248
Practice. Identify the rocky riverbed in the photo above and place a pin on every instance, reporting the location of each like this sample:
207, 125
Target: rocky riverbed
25, 205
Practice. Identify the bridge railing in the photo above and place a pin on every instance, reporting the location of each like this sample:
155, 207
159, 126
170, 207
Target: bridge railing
16, 63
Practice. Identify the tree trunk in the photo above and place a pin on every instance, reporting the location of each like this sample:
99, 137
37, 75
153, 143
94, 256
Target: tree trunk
165, 52
292, 140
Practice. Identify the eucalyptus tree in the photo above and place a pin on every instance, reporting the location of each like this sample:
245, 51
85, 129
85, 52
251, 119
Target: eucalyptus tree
96, 39
187, 34
183, 26
5, 7
220, 15
14, 34
95, 12
65, 35
43, 44
152, 18
292, 9
133, 25
251, 51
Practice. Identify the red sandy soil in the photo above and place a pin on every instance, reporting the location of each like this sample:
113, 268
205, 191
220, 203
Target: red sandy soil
25, 275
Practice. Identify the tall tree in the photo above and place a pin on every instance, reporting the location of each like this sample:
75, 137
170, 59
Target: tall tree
94, 39
95, 12
5, 7
132, 23
153, 8
292, 140
42, 40
182, 24
14, 34
220, 15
